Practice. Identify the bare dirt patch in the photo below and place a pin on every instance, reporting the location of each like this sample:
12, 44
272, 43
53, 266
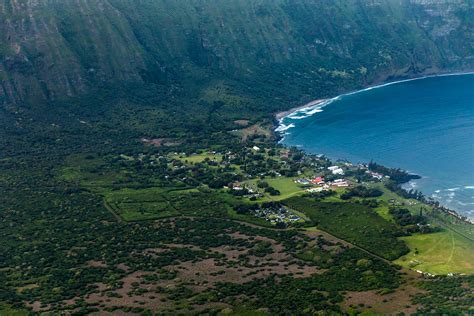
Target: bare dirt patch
96, 264
127, 294
256, 129
241, 122
159, 142
388, 304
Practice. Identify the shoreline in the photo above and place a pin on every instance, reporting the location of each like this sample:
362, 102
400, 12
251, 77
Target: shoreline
279, 128
281, 115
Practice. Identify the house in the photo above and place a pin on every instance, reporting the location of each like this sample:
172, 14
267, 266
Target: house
318, 180
285, 153
315, 190
337, 171
302, 181
375, 175
256, 148
236, 186
341, 184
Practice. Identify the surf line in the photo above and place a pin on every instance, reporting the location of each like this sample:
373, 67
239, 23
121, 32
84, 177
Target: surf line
316, 106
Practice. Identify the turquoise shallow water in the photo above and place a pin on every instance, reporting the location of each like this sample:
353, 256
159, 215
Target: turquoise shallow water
425, 126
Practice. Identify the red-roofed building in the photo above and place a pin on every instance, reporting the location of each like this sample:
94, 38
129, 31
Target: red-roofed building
318, 180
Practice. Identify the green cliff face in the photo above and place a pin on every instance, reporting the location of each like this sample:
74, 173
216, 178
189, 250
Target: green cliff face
290, 51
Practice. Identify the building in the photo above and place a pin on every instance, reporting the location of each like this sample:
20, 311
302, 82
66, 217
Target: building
375, 175
341, 184
302, 181
318, 180
316, 190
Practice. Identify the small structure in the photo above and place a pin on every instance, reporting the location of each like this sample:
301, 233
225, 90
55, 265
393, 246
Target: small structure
285, 153
375, 175
318, 180
256, 148
342, 184
302, 181
316, 190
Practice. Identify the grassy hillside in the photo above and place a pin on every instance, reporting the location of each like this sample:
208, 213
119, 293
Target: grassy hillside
439, 253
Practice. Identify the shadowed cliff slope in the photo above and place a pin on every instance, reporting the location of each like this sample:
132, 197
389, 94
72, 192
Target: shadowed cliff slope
54, 49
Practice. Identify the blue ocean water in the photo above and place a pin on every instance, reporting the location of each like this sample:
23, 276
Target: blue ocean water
425, 126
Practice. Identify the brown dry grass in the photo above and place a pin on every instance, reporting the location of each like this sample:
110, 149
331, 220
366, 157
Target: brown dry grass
241, 122
234, 264
255, 129
388, 304
159, 142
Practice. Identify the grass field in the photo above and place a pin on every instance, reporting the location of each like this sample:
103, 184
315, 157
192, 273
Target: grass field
286, 186
155, 203
439, 253
199, 157
6, 311
84, 171
140, 204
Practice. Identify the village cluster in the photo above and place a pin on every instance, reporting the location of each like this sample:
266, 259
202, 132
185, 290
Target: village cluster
258, 174
277, 214
319, 184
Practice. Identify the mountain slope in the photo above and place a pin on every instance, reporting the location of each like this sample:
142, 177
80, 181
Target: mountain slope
51, 50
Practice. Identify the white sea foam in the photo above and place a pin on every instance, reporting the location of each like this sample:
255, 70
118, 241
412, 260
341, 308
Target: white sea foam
297, 117
317, 108
282, 127
308, 111
284, 124
464, 204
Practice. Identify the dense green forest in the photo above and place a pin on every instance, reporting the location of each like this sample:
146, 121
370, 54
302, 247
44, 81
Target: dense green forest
129, 178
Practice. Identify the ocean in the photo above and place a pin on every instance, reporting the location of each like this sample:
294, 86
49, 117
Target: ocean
424, 126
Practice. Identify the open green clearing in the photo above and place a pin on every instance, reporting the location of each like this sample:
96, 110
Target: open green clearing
285, 185
439, 253
94, 173
197, 158
155, 203
4, 311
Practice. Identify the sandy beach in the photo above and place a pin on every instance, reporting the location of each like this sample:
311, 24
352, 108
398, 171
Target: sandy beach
281, 115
